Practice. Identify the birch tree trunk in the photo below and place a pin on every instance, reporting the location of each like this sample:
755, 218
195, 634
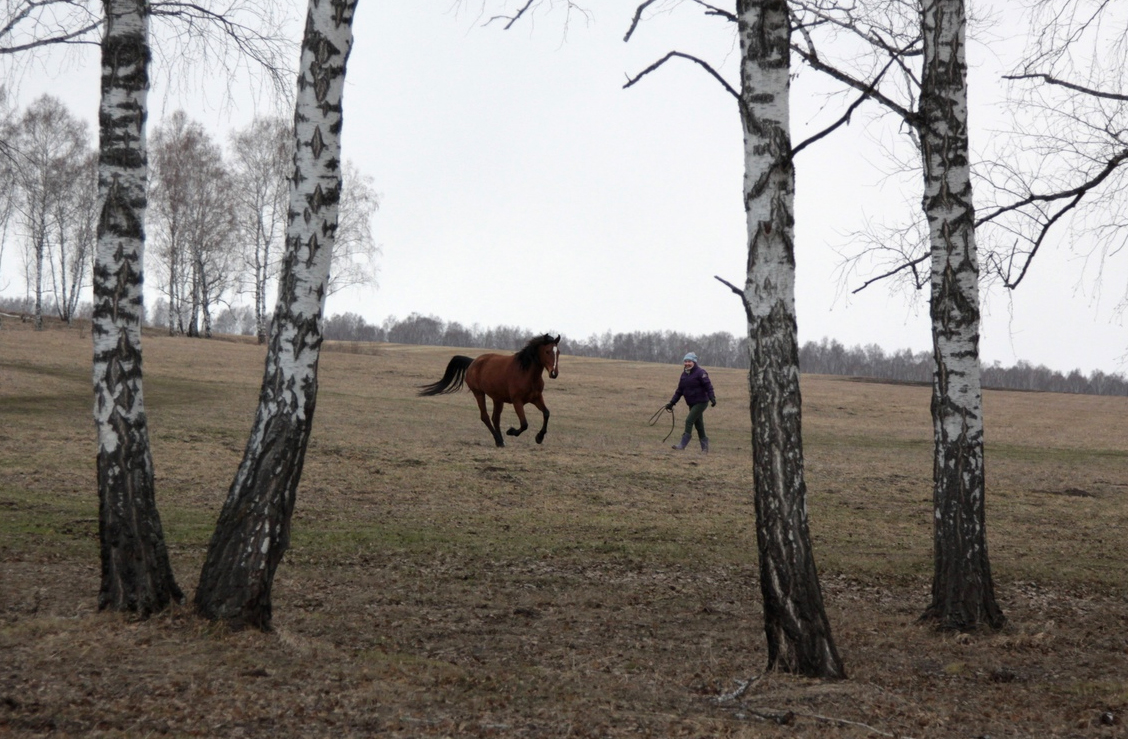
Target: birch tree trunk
40, 248
261, 260
136, 574
253, 530
963, 594
795, 622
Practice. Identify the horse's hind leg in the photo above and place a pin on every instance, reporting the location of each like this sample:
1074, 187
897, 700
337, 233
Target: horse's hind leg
498, 406
493, 427
539, 403
519, 409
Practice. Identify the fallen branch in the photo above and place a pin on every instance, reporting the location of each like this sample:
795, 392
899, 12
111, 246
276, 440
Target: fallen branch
742, 685
787, 717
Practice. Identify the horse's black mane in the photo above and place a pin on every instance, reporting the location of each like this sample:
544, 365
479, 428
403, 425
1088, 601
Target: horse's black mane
528, 355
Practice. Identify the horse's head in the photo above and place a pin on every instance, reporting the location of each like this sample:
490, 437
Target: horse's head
544, 351
548, 352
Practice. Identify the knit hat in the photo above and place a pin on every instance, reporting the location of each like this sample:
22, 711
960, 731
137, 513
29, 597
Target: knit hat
691, 357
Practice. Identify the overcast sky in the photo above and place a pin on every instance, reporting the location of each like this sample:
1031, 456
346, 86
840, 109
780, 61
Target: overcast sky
521, 185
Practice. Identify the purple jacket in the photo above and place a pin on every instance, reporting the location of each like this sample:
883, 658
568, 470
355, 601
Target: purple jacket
695, 386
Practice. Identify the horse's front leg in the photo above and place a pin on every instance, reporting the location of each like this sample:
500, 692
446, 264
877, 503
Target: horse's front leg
539, 403
494, 428
519, 408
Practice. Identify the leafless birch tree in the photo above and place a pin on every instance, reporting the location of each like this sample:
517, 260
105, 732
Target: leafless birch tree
931, 98
795, 623
7, 175
1036, 181
76, 236
355, 251
171, 181
963, 592
262, 160
48, 147
136, 573
253, 531
193, 222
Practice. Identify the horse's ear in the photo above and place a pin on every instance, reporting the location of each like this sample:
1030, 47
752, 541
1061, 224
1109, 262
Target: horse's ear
557, 339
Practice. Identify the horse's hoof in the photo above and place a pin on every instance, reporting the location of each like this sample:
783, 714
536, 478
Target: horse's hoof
540, 438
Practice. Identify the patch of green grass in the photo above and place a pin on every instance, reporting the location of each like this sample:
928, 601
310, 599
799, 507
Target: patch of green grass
1051, 455
817, 438
17, 407
77, 374
186, 526
175, 391
59, 525
1106, 691
520, 533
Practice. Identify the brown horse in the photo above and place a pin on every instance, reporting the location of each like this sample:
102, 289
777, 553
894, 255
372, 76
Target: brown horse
516, 378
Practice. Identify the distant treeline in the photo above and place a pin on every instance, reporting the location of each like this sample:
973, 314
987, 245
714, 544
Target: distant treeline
827, 357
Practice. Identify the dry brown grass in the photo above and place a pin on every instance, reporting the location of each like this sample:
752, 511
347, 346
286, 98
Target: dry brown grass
598, 585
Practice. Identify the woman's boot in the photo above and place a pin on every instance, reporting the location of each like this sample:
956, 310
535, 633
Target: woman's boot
705, 446
683, 443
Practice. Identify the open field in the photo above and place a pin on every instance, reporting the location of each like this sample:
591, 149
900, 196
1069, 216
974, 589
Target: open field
600, 585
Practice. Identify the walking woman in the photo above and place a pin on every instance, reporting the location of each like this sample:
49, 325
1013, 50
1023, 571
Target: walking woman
695, 387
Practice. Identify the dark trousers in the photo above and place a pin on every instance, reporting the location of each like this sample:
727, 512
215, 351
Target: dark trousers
696, 420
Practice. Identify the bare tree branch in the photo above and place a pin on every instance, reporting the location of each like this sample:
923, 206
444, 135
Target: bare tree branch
868, 89
1060, 30
849, 111
1037, 244
911, 265
632, 80
1068, 85
712, 10
1077, 192
637, 18
253, 29
531, 5
732, 287
514, 18
781, 717
197, 36
32, 24
1071, 116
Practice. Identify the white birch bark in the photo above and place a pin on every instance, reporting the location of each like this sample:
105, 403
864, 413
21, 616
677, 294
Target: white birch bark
136, 574
962, 589
795, 623
253, 530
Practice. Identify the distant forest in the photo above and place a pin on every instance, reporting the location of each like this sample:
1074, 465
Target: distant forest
722, 349
827, 357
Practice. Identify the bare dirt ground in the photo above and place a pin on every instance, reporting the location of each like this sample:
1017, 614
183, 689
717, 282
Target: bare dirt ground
599, 585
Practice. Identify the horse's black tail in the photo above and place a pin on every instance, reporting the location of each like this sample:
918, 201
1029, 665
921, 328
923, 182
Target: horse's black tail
452, 380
